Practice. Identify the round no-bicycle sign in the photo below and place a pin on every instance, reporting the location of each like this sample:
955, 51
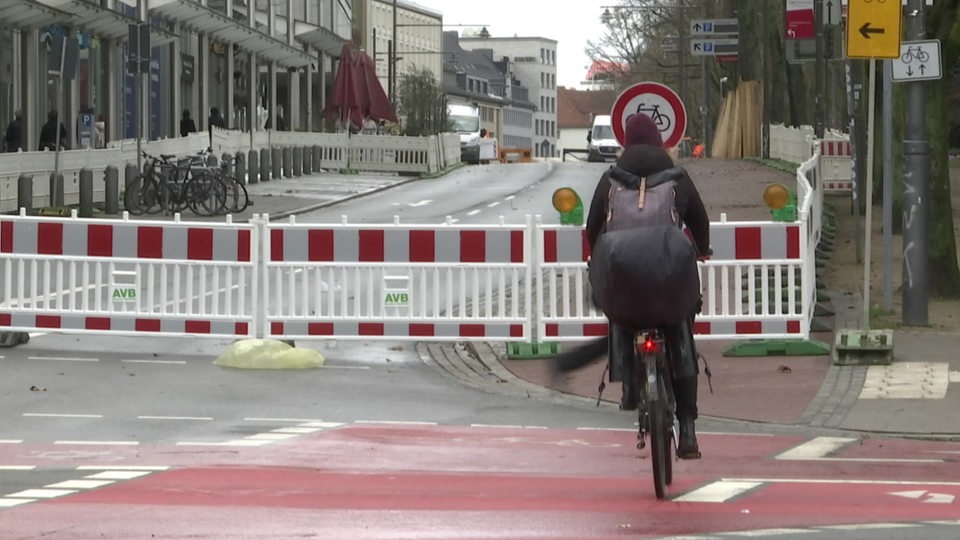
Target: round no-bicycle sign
657, 101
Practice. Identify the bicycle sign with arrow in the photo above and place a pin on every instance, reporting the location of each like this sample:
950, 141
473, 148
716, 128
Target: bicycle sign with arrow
919, 61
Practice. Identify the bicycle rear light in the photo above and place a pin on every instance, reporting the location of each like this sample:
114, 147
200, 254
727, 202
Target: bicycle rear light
648, 345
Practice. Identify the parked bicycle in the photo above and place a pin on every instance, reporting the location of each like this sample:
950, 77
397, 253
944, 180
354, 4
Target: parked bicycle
174, 185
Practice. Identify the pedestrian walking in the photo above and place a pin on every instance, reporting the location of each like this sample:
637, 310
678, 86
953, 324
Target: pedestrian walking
187, 125
13, 138
216, 119
48, 133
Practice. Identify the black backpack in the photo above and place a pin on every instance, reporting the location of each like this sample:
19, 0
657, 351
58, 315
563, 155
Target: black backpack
643, 269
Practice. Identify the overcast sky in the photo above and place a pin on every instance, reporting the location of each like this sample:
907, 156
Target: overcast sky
570, 23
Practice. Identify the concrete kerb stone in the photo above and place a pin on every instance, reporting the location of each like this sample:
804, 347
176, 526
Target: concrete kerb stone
309, 208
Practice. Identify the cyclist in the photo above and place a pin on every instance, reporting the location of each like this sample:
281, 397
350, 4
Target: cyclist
644, 155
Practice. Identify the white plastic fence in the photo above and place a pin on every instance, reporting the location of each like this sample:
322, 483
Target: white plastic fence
798, 144
374, 153
91, 276
453, 282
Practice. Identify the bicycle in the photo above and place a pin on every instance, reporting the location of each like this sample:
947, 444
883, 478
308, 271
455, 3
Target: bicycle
915, 52
652, 376
174, 186
653, 111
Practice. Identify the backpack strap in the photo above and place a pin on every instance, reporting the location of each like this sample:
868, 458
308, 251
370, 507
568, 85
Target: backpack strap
642, 192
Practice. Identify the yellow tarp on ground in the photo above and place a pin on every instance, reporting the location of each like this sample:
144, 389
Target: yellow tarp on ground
268, 354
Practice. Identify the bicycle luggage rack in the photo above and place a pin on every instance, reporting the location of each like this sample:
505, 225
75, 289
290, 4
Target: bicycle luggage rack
863, 348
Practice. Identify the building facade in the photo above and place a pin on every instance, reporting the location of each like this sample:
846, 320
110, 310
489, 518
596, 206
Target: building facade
251, 59
475, 77
533, 63
419, 39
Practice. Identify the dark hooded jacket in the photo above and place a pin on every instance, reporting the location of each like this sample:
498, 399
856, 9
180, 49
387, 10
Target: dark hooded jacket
644, 160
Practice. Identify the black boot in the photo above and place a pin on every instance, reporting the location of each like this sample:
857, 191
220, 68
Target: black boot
685, 392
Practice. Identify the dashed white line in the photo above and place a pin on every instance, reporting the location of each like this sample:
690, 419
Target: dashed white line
718, 492
40, 493
817, 448
155, 361
763, 533
17, 467
10, 503
63, 359
148, 468
474, 212
99, 443
256, 419
497, 426
396, 422
79, 484
328, 366
11, 441
120, 474
63, 415
270, 437
494, 203
175, 418
867, 526
605, 429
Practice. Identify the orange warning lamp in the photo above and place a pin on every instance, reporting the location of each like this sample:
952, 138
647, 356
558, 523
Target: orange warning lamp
568, 203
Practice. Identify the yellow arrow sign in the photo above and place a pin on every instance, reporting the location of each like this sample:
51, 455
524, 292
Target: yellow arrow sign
873, 28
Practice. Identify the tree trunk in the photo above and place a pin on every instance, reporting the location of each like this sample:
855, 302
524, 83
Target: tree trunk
944, 272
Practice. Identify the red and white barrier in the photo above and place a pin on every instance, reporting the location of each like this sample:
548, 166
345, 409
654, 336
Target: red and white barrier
397, 282
127, 277
836, 165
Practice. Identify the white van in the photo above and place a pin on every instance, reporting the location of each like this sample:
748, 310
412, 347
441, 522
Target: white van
465, 120
601, 142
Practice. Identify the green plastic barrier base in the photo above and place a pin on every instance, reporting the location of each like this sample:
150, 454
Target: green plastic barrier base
529, 351
778, 347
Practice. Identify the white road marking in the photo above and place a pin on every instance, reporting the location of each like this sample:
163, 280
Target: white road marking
100, 443
118, 475
606, 429
838, 481
10, 503
174, 418
149, 468
63, 358
816, 448
79, 484
954, 376
763, 533
155, 361
907, 380
495, 203
61, 415
936, 498
474, 212
270, 437
395, 422
11, 441
41, 493
17, 467
509, 197
718, 492
298, 430
328, 366
234, 442
2, 357
496, 426
867, 526
421, 203
255, 419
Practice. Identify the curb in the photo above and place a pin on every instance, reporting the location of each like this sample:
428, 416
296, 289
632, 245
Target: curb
318, 206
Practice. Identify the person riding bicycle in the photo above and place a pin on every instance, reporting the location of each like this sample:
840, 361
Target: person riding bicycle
644, 155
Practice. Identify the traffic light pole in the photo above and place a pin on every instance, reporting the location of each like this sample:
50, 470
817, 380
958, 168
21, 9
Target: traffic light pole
916, 175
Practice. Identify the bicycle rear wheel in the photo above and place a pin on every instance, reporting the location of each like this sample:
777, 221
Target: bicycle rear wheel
661, 443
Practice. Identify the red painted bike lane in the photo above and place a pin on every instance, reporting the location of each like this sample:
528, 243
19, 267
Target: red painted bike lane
388, 481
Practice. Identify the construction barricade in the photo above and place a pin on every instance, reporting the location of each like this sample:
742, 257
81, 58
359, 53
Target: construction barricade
127, 277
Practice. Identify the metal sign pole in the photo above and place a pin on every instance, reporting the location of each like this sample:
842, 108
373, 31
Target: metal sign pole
868, 213
916, 205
